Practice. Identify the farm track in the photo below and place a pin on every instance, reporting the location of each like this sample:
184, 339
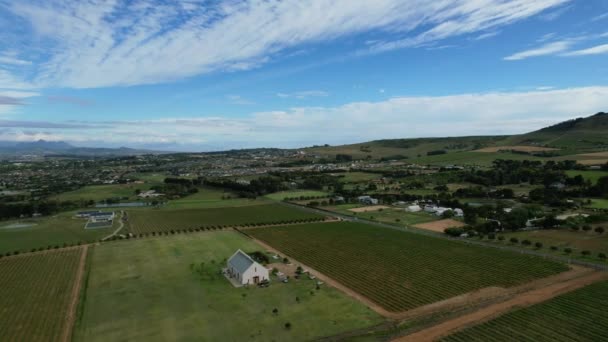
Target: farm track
73, 305
522, 300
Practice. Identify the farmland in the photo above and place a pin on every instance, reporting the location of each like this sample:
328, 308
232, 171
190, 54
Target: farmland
279, 196
102, 192
46, 231
577, 316
164, 220
156, 296
422, 270
392, 215
208, 197
36, 290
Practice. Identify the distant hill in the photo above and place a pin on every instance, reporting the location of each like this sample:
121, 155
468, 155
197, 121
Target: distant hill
570, 137
61, 148
588, 133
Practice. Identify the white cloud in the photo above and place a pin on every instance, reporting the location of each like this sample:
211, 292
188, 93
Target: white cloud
401, 117
99, 43
600, 17
300, 95
486, 35
596, 50
544, 50
239, 100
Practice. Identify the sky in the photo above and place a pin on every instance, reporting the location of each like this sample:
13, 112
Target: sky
201, 75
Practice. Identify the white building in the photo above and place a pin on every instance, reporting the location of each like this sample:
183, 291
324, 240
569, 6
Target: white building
244, 270
149, 194
413, 208
367, 200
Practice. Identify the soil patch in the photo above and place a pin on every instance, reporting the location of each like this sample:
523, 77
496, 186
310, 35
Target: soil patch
441, 225
370, 208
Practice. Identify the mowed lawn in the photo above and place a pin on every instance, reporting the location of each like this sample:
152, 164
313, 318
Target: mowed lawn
577, 316
145, 290
25, 235
281, 195
399, 270
597, 203
167, 219
35, 293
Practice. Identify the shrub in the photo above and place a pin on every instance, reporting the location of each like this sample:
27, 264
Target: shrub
514, 240
501, 238
585, 253
538, 245
554, 248
602, 256
526, 242
454, 231
586, 227
599, 230
567, 250
287, 325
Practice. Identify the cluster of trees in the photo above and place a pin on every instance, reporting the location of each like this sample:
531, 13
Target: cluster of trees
27, 209
256, 187
177, 187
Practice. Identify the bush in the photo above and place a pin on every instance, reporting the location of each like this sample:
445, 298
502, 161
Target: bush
586, 227
602, 256
554, 248
491, 236
456, 232
567, 250
585, 253
526, 242
599, 230
538, 245
514, 240
287, 325
501, 238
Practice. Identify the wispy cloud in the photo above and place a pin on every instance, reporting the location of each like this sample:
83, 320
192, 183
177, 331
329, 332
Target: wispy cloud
239, 100
486, 35
114, 43
600, 17
544, 50
300, 95
11, 99
70, 100
596, 50
400, 117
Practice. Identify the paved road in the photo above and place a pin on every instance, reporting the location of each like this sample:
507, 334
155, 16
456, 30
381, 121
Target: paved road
567, 260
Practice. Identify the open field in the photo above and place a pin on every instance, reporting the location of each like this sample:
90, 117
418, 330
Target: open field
577, 316
592, 176
472, 158
208, 197
356, 177
102, 192
279, 196
562, 238
157, 296
162, 220
47, 231
441, 225
37, 295
422, 270
518, 148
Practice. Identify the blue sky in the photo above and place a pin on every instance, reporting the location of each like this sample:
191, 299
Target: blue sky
207, 75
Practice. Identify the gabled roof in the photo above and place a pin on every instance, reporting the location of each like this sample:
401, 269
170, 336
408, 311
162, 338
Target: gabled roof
240, 261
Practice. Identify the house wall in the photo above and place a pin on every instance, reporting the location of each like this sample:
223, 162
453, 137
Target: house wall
254, 270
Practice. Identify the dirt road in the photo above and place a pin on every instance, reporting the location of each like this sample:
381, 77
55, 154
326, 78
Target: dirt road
70, 318
487, 313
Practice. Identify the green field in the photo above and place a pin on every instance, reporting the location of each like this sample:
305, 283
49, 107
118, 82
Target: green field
47, 231
156, 296
399, 270
212, 198
597, 203
101, 192
35, 290
358, 177
577, 316
472, 158
279, 196
163, 220
592, 176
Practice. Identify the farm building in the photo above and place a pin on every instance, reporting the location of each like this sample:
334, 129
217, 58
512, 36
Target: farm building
86, 214
367, 200
242, 268
413, 208
149, 194
101, 216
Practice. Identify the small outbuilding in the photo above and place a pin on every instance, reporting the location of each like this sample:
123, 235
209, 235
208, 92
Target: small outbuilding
242, 269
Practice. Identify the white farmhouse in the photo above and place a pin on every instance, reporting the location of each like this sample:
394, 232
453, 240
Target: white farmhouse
413, 208
244, 270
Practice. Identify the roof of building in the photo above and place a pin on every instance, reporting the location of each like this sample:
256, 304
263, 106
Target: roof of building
240, 261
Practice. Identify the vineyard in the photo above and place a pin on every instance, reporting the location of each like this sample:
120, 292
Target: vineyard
577, 316
36, 291
399, 270
149, 221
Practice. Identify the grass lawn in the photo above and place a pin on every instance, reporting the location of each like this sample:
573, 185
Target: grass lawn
356, 177
212, 198
145, 290
279, 196
47, 231
592, 175
102, 192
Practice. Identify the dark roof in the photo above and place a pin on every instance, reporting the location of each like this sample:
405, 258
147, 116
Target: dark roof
240, 261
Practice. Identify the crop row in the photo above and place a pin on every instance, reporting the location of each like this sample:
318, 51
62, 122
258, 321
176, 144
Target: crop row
35, 291
149, 221
398, 270
577, 316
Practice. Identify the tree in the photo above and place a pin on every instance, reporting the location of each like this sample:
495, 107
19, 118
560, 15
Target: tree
602, 256
456, 232
567, 250
554, 248
275, 311
586, 227
538, 245
447, 214
287, 325
599, 230
585, 253
501, 238
526, 242
514, 240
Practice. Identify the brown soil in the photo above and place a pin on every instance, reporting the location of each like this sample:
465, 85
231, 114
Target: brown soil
370, 208
534, 296
515, 148
592, 161
73, 305
440, 226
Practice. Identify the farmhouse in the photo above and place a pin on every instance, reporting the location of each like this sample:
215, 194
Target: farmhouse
413, 208
244, 270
